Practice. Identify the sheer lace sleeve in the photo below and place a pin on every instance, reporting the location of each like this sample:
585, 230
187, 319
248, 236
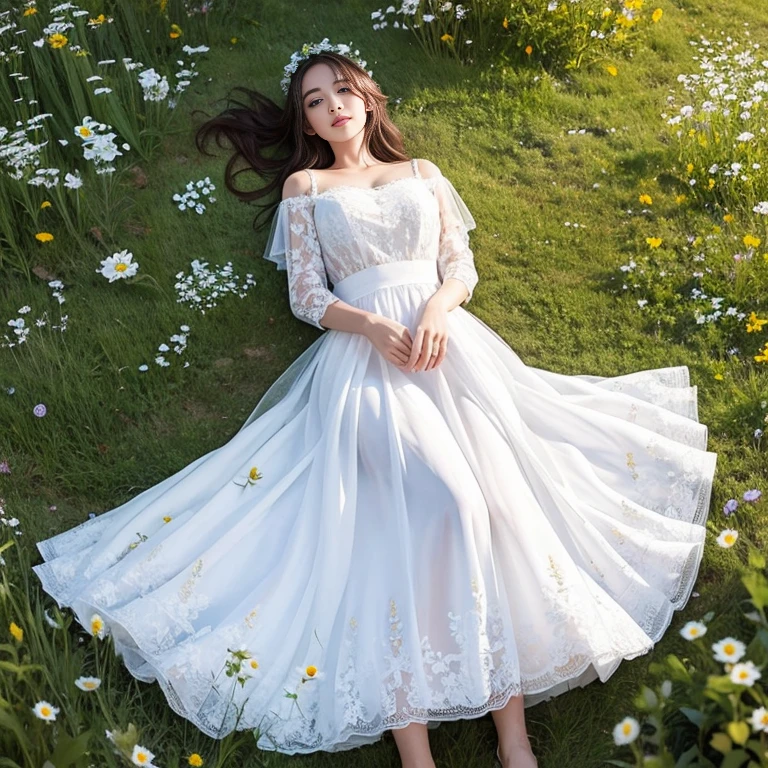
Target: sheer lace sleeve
293, 246
455, 257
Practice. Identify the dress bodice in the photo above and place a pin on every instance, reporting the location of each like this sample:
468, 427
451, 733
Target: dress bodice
324, 237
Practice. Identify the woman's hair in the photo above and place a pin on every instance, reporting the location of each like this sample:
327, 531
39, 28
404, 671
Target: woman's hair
260, 124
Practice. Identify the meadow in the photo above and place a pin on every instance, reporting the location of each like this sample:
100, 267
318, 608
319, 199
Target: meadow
621, 200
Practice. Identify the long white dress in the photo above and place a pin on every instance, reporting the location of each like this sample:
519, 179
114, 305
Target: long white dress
431, 542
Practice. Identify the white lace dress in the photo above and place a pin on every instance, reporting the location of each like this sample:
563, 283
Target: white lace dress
432, 543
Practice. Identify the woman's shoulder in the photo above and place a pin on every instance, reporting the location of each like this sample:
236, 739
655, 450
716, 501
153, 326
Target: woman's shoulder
297, 184
427, 169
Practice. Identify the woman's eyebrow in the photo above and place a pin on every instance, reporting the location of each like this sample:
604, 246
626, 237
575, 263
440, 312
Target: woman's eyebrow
312, 90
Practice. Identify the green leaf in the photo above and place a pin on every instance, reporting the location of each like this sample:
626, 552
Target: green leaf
721, 742
677, 669
738, 731
734, 759
687, 757
696, 717
756, 559
69, 750
619, 763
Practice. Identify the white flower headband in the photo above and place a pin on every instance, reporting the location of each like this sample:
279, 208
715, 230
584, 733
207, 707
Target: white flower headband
309, 48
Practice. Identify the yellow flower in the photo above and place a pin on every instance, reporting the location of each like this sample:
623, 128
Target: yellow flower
611, 70
175, 31
654, 242
680, 198
57, 41
233, 40
728, 218
17, 632
717, 229
30, 11
691, 132
719, 376
100, 19
97, 625
606, 12
689, 167
446, 38
45, 204
645, 199
710, 184
311, 671
84, 131
195, 760
167, 518
505, 23
529, 49
763, 356
254, 474
751, 241
754, 323
656, 15
44, 237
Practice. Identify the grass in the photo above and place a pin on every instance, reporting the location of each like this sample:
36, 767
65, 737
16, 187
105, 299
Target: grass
112, 431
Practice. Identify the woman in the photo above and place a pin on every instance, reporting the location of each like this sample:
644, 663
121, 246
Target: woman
412, 526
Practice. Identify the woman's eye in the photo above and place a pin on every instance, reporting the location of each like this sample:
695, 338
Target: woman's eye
343, 88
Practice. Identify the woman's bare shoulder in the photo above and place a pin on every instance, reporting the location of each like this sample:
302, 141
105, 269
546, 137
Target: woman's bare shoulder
427, 168
298, 183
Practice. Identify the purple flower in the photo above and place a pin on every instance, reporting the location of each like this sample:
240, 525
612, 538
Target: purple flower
4, 468
752, 495
40, 410
730, 507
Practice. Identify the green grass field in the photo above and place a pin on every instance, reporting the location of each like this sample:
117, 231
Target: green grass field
112, 431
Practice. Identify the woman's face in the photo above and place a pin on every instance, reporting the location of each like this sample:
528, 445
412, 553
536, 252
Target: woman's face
324, 100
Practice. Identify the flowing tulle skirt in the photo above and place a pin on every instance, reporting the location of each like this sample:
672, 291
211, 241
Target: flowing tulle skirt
419, 547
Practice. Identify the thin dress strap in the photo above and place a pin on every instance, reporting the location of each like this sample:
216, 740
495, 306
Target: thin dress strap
313, 190
415, 166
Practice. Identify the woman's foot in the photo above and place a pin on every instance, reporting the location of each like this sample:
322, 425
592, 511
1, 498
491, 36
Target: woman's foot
517, 756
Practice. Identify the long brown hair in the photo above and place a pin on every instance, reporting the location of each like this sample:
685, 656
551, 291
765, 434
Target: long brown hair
258, 124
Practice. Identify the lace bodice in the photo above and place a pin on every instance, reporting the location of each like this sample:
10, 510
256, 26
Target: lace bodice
321, 238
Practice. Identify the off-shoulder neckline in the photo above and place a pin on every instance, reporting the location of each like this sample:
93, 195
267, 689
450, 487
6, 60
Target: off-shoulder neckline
360, 189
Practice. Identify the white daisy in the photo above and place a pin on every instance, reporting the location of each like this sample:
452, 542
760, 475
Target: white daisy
727, 538
118, 266
87, 683
141, 756
693, 629
745, 673
729, 650
45, 711
759, 719
626, 731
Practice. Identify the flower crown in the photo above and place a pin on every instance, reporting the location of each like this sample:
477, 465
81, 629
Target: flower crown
309, 48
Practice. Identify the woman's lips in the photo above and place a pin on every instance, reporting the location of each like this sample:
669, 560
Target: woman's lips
343, 121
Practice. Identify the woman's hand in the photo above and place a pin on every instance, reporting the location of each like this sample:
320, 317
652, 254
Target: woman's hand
431, 341
391, 339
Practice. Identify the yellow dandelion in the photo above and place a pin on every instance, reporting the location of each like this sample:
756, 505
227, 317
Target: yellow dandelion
754, 323
82, 52
100, 19
606, 12
254, 474
446, 38
45, 204
175, 31
656, 15
751, 241
611, 70
728, 218
689, 168
233, 40
195, 760
505, 23
645, 199
16, 631
719, 376
710, 184
30, 11
763, 356
654, 242
44, 237
57, 40
691, 132
528, 49
680, 199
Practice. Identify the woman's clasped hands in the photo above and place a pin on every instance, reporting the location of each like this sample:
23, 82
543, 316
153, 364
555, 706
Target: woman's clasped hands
423, 352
